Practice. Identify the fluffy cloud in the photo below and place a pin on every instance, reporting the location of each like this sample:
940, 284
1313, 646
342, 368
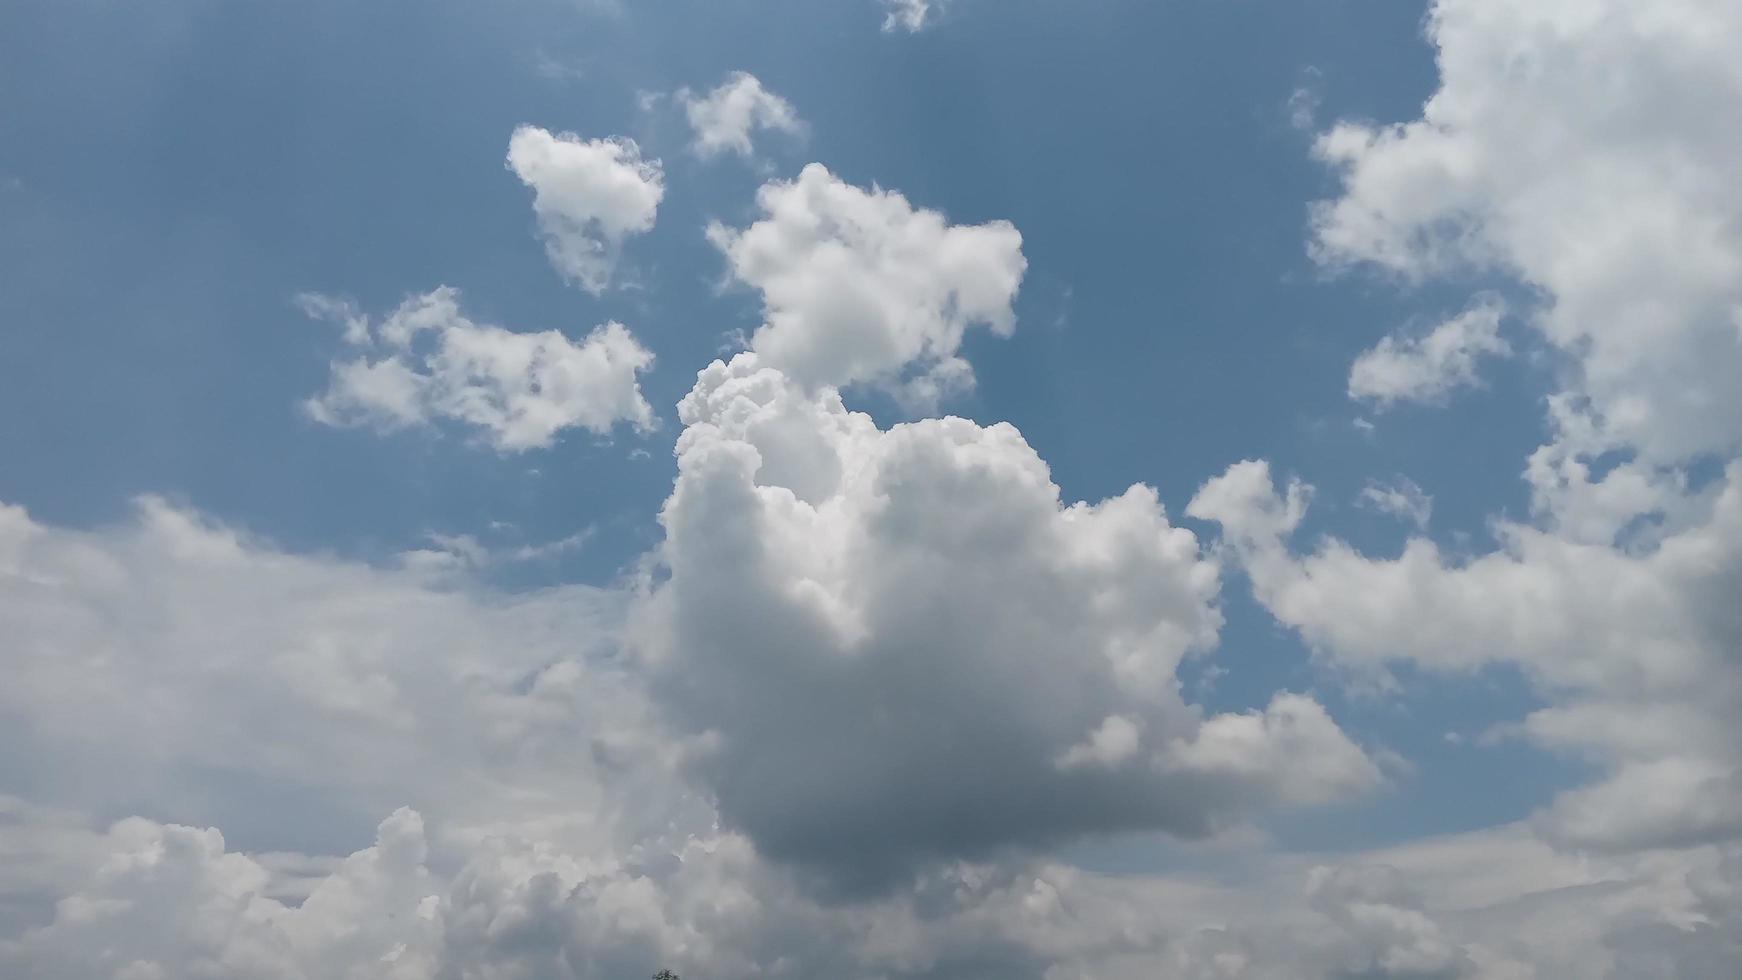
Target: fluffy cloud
724, 118
1427, 368
1637, 652
859, 287
177, 669
1617, 600
154, 900
1621, 208
522, 390
588, 195
168, 901
902, 645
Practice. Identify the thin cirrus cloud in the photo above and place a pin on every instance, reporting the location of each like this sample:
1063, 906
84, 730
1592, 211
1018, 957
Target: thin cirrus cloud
1615, 599
589, 196
536, 762
427, 362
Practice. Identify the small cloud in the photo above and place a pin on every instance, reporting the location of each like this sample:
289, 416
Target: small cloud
1399, 498
911, 16
724, 118
1303, 103
589, 196
427, 361
555, 69
1427, 368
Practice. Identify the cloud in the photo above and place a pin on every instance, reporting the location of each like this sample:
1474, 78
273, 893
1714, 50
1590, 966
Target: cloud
154, 900
1634, 653
1429, 367
904, 646
1615, 599
589, 196
724, 118
260, 719
859, 287
430, 362
178, 669
1504, 170
1401, 498
911, 16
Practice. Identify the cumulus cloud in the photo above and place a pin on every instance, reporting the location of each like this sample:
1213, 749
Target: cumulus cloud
1615, 600
426, 361
723, 119
174, 668
155, 900
904, 645
1500, 173
589, 196
860, 287
1635, 652
1427, 368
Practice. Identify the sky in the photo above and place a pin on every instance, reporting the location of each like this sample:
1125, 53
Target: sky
952, 489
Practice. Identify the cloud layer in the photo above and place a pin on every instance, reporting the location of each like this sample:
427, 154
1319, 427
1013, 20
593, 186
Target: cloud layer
1427, 368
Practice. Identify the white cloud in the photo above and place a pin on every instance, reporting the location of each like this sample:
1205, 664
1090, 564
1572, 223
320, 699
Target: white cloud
911, 16
1634, 652
1402, 498
169, 901
178, 669
427, 361
859, 287
1427, 368
876, 644
724, 118
1571, 145
588, 195
895, 637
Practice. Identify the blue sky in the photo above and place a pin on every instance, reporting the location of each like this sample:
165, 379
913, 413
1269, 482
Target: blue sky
1226, 211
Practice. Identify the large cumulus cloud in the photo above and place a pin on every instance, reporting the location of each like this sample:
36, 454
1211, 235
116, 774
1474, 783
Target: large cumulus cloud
901, 643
